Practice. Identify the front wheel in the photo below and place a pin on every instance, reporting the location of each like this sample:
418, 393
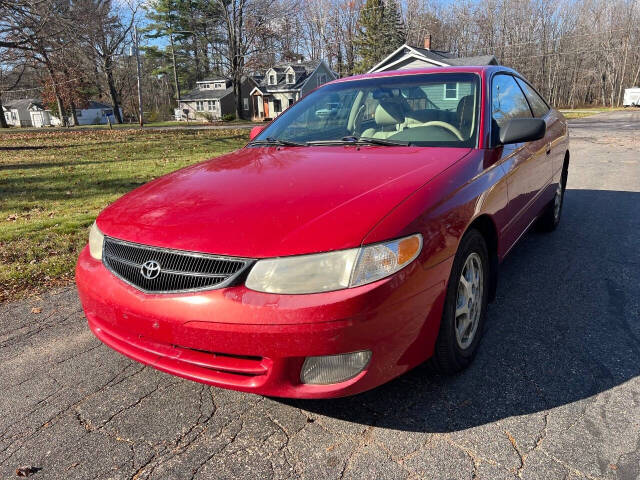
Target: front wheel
465, 306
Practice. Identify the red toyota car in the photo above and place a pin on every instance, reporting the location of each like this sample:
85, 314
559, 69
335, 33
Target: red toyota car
354, 237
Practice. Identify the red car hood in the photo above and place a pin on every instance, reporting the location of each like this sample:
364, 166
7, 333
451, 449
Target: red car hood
267, 201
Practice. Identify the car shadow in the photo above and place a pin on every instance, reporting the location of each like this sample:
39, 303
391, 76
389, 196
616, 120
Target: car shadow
564, 327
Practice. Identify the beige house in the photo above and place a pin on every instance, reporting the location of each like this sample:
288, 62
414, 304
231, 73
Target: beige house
284, 84
211, 98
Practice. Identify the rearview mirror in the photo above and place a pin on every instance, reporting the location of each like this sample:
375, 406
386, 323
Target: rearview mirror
255, 131
519, 130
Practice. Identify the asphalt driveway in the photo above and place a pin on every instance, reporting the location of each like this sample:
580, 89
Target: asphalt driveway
553, 394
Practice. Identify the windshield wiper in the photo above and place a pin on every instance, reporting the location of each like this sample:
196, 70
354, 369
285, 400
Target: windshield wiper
277, 141
382, 141
353, 140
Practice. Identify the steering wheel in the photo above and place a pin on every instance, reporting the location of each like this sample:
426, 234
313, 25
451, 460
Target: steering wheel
446, 126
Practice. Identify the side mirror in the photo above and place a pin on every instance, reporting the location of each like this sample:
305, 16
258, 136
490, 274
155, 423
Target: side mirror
255, 131
519, 130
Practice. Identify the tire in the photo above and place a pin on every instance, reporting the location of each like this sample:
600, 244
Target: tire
454, 351
550, 218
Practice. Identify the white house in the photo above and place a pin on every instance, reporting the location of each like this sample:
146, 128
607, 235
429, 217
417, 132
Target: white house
95, 113
29, 112
407, 57
16, 112
284, 84
41, 117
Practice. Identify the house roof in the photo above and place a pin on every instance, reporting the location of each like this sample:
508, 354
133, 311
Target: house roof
439, 55
434, 57
477, 60
213, 94
22, 104
302, 72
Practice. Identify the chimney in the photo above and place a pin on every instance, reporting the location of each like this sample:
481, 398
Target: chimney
427, 42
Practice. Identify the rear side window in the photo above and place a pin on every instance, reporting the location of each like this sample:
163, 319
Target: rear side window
507, 100
538, 105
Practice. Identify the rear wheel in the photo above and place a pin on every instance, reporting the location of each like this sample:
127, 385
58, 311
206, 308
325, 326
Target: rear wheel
465, 307
550, 218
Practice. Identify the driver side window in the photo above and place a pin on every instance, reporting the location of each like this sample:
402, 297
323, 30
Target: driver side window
507, 102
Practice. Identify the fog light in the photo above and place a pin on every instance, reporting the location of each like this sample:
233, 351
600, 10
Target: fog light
334, 368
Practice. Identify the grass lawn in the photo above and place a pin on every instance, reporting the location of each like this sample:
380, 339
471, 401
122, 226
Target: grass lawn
586, 112
53, 184
114, 126
569, 115
170, 123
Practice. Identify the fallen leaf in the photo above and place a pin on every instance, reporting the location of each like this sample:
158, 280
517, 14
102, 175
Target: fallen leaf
36, 310
26, 471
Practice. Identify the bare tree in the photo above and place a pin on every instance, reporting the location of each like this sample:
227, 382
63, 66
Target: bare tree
242, 24
106, 31
33, 30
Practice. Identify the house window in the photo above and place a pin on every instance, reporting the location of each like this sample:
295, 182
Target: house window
291, 101
211, 105
450, 91
277, 105
218, 85
245, 104
200, 106
272, 79
290, 78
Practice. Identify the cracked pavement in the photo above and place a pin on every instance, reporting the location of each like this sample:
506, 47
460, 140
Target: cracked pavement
554, 392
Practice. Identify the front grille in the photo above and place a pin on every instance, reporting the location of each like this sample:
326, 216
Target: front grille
173, 270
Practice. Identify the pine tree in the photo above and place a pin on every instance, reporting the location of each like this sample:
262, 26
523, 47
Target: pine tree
393, 27
380, 32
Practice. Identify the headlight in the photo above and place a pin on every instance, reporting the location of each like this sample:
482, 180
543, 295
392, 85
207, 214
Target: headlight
96, 239
325, 272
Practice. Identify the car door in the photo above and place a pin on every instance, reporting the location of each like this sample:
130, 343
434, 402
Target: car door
524, 164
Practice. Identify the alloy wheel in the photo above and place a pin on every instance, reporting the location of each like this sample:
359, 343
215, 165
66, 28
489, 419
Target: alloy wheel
469, 300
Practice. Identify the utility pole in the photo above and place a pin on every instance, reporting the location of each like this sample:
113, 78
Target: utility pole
135, 42
175, 70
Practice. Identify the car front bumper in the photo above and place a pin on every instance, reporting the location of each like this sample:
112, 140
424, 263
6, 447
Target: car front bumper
256, 342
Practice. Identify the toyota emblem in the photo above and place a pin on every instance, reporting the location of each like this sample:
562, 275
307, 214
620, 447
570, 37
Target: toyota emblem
150, 269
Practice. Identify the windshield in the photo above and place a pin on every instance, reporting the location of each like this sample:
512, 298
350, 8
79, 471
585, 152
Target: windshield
425, 110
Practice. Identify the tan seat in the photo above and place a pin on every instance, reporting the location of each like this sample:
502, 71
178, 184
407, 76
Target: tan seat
389, 118
466, 115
